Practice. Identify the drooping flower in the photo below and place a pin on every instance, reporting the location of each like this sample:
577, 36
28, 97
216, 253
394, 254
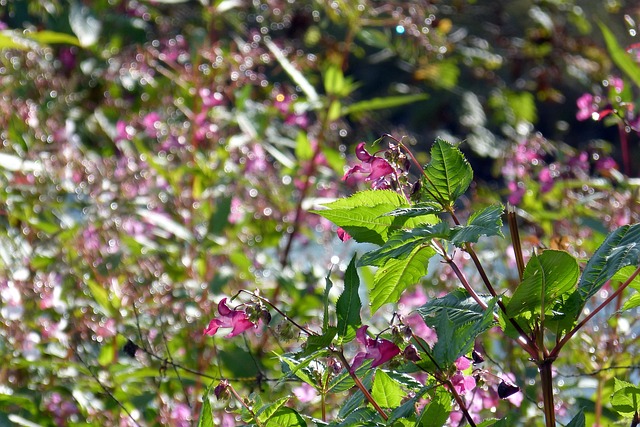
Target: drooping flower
236, 319
380, 350
379, 170
463, 383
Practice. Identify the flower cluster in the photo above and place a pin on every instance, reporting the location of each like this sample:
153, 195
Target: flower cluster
237, 320
614, 102
379, 350
378, 170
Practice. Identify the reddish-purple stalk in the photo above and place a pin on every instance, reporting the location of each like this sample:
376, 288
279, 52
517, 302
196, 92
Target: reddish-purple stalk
361, 386
447, 382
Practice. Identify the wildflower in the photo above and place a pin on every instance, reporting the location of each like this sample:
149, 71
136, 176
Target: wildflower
546, 179
343, 235
380, 350
588, 108
463, 383
305, 393
379, 170
235, 319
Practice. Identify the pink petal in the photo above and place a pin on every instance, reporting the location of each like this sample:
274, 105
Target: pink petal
212, 328
222, 308
379, 168
362, 154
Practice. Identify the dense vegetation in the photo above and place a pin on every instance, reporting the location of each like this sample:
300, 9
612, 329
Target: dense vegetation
396, 213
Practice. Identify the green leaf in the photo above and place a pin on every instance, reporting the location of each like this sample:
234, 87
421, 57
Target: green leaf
286, 417
52, 37
10, 41
449, 174
328, 284
420, 209
397, 274
383, 103
408, 408
547, 277
304, 151
386, 391
578, 420
436, 413
458, 320
316, 342
619, 56
206, 416
349, 305
267, 411
403, 243
486, 222
625, 399
220, 218
361, 215
334, 82
620, 249
632, 302
296, 76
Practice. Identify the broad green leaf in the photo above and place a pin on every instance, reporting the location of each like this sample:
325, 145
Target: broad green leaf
504, 422
620, 249
485, 222
383, 103
316, 342
458, 320
449, 174
632, 302
267, 411
286, 417
297, 367
386, 391
546, 278
334, 81
403, 243
460, 306
357, 398
578, 420
620, 57
361, 215
625, 399
624, 273
358, 417
206, 416
349, 305
436, 413
397, 274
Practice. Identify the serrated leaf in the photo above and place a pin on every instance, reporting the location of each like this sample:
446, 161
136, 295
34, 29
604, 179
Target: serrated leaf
349, 304
206, 416
396, 275
408, 408
362, 215
357, 398
449, 174
316, 342
620, 249
546, 278
578, 420
426, 208
328, 284
485, 222
458, 320
286, 417
632, 302
403, 243
625, 400
357, 417
386, 391
267, 411
436, 413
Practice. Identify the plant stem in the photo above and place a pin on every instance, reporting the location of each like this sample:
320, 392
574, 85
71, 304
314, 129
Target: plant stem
571, 333
361, 386
547, 392
460, 402
287, 318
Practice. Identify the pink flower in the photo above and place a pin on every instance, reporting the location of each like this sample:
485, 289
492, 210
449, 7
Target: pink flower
343, 235
463, 383
380, 350
150, 123
210, 99
546, 180
235, 319
517, 192
305, 393
586, 107
379, 169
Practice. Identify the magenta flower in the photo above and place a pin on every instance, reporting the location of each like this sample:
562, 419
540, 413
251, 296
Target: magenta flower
463, 383
379, 170
380, 350
235, 319
546, 180
343, 235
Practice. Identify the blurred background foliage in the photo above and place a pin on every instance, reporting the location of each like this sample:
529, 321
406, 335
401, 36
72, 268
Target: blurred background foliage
157, 155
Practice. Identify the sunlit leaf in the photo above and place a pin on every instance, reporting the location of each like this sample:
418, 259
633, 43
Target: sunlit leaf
386, 392
620, 57
52, 37
448, 174
383, 103
578, 420
394, 276
485, 222
625, 399
436, 413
